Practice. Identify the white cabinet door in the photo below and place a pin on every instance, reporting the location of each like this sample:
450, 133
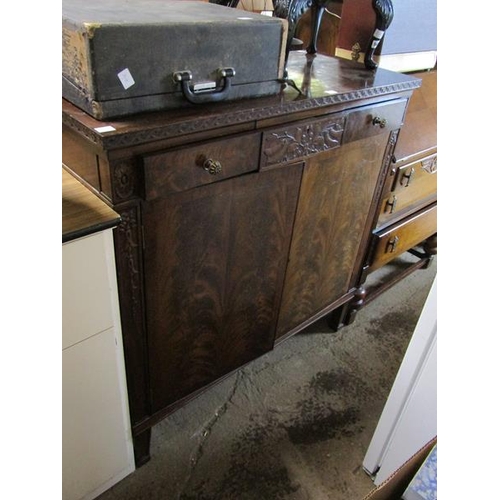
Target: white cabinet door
97, 449
86, 288
409, 419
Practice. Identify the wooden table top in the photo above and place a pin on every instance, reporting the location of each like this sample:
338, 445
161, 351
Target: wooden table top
419, 133
324, 82
83, 213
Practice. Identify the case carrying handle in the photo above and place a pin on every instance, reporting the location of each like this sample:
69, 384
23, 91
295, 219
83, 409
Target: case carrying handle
204, 96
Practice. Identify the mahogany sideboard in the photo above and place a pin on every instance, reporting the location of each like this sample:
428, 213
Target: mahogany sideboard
242, 222
407, 221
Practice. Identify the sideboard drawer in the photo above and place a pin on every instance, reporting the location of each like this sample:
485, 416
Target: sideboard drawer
296, 141
373, 120
204, 163
414, 184
402, 236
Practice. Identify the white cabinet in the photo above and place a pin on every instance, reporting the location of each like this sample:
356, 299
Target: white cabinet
409, 419
97, 449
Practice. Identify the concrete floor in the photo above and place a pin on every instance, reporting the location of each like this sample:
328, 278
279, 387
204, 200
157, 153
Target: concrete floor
294, 424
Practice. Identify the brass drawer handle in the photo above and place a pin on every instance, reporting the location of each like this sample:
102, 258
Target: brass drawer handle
392, 244
390, 206
381, 122
213, 167
407, 177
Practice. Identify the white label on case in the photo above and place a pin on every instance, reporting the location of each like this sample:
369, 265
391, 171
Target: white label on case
107, 128
126, 78
378, 33
199, 87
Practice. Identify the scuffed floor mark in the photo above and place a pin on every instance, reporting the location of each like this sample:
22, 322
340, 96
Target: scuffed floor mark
319, 422
256, 471
333, 381
392, 323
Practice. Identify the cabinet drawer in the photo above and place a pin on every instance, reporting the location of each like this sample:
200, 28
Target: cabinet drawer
373, 120
204, 163
414, 183
297, 141
401, 237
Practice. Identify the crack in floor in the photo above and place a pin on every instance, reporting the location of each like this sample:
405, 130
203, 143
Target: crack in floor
207, 429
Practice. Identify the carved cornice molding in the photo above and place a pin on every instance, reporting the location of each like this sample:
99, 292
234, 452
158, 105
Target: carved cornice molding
213, 121
81, 129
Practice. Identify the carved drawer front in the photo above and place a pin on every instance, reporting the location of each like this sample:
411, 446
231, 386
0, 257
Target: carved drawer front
204, 163
414, 184
402, 236
299, 140
373, 120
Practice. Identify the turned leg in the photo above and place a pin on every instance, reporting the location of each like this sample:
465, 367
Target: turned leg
357, 302
430, 249
346, 314
141, 448
430, 245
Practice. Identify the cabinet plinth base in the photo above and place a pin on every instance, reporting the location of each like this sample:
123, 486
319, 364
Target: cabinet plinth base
142, 444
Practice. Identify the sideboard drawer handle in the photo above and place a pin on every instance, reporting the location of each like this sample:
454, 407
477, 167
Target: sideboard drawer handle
407, 177
390, 206
213, 167
392, 244
381, 122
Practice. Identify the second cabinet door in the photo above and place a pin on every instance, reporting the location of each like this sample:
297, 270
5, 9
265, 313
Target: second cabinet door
336, 195
214, 266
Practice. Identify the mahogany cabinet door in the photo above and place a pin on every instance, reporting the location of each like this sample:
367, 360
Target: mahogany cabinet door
336, 195
214, 266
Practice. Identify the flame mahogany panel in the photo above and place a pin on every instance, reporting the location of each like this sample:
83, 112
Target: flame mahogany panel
213, 278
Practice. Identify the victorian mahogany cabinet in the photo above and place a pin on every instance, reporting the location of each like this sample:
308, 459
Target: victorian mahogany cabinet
407, 220
242, 222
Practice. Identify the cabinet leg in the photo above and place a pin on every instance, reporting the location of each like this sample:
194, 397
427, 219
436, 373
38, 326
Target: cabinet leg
336, 318
357, 302
345, 315
142, 444
430, 249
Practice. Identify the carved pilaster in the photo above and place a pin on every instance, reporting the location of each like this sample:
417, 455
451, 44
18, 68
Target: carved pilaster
125, 182
128, 253
388, 161
128, 233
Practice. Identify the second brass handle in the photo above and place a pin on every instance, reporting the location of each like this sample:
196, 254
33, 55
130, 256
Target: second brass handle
390, 205
392, 244
213, 167
407, 177
381, 122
